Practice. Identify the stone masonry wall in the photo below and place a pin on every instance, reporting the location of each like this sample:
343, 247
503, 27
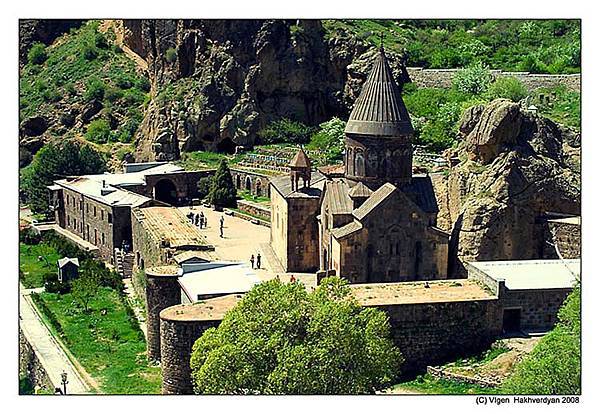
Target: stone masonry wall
303, 235
161, 293
31, 367
567, 238
255, 183
255, 209
539, 308
434, 333
442, 78
178, 337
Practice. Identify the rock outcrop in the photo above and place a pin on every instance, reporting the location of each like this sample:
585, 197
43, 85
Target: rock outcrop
216, 83
515, 168
44, 31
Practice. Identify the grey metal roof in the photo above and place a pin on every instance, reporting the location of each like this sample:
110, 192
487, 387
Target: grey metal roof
283, 185
62, 262
376, 198
379, 110
337, 198
346, 230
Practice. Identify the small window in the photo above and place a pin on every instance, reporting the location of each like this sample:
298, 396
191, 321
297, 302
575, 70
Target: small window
109, 218
94, 211
101, 214
103, 240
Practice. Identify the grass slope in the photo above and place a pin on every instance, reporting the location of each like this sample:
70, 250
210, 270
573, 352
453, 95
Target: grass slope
33, 269
107, 341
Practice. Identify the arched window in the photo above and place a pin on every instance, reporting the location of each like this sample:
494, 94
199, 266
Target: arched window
258, 188
238, 182
248, 184
359, 164
350, 162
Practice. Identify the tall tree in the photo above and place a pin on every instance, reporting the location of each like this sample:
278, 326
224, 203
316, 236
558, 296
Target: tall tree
54, 161
85, 287
281, 339
222, 191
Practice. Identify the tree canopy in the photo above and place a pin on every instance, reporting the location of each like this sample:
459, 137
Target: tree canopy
281, 339
554, 365
55, 161
222, 191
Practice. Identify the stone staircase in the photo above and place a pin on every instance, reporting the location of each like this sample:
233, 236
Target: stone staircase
124, 263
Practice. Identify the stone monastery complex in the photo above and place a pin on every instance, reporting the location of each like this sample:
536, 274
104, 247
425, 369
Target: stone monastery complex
374, 222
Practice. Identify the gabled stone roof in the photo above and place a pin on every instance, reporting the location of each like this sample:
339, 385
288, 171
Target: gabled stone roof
337, 198
300, 160
348, 229
360, 191
376, 198
379, 110
283, 185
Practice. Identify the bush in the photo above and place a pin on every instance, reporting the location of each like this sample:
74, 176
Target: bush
94, 89
285, 130
507, 88
474, 80
144, 84
113, 94
100, 40
329, 140
37, 54
30, 236
171, 55
98, 131
53, 285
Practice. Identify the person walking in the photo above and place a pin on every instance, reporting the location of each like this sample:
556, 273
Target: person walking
201, 219
197, 219
252, 261
292, 279
258, 261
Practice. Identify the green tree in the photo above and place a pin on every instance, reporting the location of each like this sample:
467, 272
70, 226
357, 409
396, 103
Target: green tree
474, 80
285, 130
55, 161
222, 191
204, 185
281, 339
507, 88
85, 287
554, 365
37, 54
329, 140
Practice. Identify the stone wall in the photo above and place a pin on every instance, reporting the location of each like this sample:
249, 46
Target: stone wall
31, 367
255, 183
185, 182
302, 234
539, 308
567, 238
178, 337
435, 333
259, 210
162, 291
442, 78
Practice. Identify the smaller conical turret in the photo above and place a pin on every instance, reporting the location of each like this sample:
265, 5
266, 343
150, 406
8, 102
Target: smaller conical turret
300, 168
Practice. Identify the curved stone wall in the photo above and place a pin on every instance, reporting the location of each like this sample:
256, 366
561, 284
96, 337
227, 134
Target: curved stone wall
162, 291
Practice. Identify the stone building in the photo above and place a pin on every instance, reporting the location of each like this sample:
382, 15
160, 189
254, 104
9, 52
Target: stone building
376, 222
68, 269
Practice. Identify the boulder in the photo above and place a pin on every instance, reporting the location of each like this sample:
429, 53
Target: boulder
34, 126
90, 110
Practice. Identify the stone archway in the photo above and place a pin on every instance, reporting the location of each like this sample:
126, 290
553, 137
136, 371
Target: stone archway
238, 182
166, 191
248, 184
258, 188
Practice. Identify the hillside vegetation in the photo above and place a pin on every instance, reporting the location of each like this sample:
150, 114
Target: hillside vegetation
538, 46
83, 84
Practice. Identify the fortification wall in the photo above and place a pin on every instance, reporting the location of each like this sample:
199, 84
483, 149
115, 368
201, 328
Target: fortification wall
434, 333
178, 337
442, 78
255, 183
162, 291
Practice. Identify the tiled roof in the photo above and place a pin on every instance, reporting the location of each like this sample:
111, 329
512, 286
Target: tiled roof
379, 110
360, 191
420, 191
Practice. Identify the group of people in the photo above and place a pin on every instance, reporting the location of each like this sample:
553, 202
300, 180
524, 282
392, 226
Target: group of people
199, 220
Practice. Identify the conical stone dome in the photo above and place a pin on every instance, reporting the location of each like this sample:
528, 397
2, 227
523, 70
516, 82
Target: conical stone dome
379, 110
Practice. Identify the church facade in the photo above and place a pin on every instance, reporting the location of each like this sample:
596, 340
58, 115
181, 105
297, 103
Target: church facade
377, 221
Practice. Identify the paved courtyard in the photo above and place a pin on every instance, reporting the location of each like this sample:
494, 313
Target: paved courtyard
241, 240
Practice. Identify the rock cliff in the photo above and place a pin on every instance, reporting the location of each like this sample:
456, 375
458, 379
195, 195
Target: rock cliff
515, 166
216, 83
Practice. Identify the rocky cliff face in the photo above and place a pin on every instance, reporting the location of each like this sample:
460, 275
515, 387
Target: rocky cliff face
44, 31
216, 83
515, 167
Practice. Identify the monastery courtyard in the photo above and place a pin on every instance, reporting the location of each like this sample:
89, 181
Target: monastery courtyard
242, 239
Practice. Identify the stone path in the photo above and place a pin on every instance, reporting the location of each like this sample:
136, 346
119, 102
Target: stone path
51, 355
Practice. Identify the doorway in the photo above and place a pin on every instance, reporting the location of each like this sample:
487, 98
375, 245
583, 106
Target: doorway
511, 320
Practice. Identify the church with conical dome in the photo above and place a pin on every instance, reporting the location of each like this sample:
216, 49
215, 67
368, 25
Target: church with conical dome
375, 222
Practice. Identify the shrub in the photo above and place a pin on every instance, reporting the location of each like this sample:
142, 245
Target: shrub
285, 130
53, 285
171, 55
37, 54
144, 84
89, 51
474, 80
508, 88
94, 89
98, 131
30, 236
113, 94
329, 140
100, 40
